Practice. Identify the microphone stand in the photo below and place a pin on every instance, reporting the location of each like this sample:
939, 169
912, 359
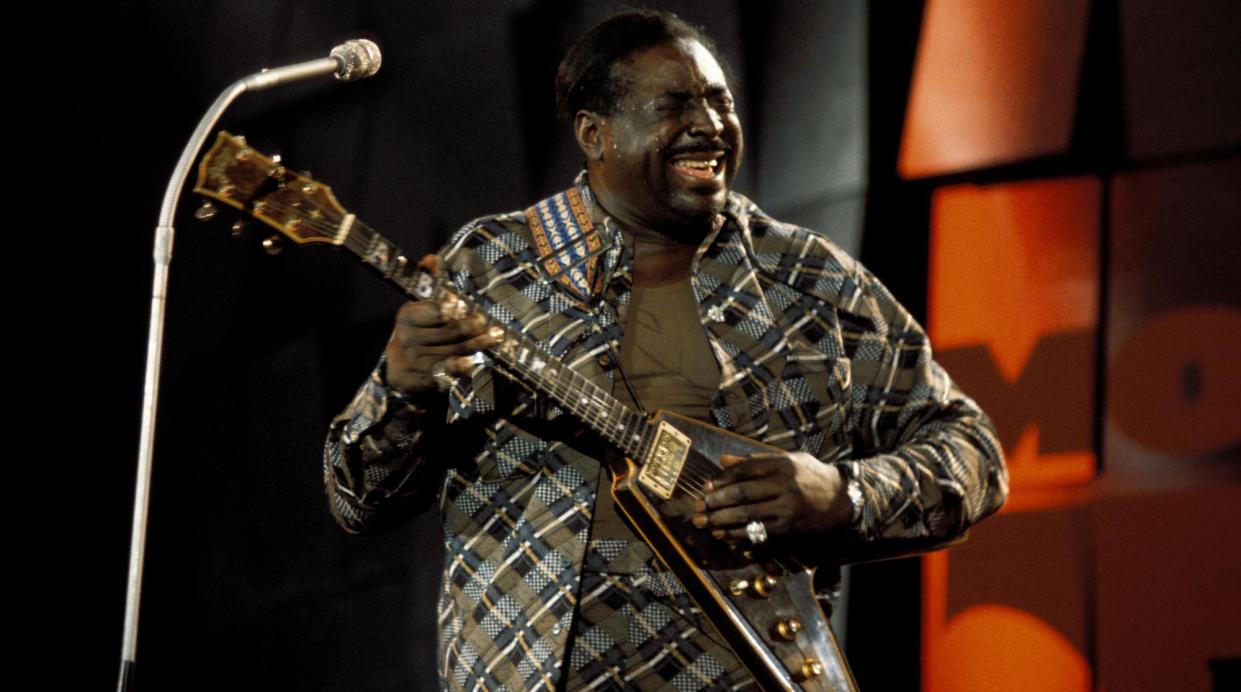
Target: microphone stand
163, 255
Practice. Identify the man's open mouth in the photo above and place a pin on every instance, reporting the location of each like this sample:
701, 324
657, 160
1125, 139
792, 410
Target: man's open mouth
700, 165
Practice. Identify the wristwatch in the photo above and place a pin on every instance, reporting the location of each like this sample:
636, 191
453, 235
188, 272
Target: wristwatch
854, 490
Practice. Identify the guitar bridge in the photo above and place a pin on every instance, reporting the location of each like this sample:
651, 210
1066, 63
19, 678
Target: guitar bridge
662, 467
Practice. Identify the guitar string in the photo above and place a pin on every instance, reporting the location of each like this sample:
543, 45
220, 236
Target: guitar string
691, 476
694, 475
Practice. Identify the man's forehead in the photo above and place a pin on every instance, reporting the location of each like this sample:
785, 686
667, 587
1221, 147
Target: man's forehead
683, 65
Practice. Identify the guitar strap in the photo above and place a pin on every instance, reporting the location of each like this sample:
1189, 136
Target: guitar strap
568, 243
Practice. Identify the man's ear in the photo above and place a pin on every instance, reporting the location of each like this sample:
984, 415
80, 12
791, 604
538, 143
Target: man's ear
589, 128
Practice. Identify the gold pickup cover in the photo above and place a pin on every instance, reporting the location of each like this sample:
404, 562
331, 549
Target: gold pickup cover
662, 467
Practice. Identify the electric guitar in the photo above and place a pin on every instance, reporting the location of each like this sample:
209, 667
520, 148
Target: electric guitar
764, 606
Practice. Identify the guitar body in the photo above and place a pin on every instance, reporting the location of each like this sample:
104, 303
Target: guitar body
763, 605
752, 613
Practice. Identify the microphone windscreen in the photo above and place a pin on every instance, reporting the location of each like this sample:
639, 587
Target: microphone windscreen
359, 59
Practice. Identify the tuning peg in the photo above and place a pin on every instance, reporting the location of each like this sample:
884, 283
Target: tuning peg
206, 212
272, 246
238, 226
277, 170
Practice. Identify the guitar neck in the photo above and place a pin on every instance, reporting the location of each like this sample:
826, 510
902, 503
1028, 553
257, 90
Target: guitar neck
306, 211
517, 356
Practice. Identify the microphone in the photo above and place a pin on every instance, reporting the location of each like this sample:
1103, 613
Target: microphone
358, 58
351, 60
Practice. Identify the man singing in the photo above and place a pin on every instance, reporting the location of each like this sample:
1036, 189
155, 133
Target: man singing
650, 278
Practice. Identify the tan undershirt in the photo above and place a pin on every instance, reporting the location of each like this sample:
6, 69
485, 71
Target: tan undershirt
670, 366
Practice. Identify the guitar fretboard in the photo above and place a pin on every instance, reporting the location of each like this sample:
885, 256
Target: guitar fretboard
518, 356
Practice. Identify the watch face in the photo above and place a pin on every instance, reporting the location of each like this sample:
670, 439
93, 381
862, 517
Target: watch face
854, 490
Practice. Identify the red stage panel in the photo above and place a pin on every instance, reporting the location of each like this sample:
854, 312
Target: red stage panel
1013, 311
1182, 76
995, 81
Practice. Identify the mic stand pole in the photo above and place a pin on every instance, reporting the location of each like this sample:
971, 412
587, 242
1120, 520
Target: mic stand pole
150, 389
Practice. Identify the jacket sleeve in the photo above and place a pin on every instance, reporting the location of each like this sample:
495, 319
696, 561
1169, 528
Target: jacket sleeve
927, 459
386, 455
376, 464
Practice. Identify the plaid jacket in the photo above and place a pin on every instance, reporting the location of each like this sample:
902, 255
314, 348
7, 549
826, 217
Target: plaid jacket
815, 355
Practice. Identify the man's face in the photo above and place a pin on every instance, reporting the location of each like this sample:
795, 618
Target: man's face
674, 144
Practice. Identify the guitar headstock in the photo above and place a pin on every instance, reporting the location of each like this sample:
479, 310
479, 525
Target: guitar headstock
303, 210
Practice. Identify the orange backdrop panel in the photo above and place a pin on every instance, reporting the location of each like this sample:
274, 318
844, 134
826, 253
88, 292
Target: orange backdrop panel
994, 81
1013, 313
1010, 608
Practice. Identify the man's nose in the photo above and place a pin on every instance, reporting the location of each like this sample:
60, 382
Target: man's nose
705, 119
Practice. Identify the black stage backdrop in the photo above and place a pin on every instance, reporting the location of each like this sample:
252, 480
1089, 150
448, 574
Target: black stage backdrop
249, 583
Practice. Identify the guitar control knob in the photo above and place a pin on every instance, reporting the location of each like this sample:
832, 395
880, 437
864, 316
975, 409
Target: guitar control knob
763, 586
810, 669
238, 226
272, 246
206, 212
760, 587
788, 629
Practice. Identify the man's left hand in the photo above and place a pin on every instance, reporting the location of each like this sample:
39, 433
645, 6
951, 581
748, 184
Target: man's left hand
789, 492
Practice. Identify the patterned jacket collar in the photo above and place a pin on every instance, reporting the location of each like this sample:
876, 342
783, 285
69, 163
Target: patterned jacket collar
582, 233
572, 232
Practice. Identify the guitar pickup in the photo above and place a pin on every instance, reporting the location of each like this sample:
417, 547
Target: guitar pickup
662, 466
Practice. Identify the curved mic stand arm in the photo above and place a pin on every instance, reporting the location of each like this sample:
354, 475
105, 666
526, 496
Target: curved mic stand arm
351, 60
150, 388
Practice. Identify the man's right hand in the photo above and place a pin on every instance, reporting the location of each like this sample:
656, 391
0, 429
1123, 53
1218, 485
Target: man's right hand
430, 333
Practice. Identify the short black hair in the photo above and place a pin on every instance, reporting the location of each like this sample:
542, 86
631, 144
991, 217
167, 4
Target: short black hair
585, 79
